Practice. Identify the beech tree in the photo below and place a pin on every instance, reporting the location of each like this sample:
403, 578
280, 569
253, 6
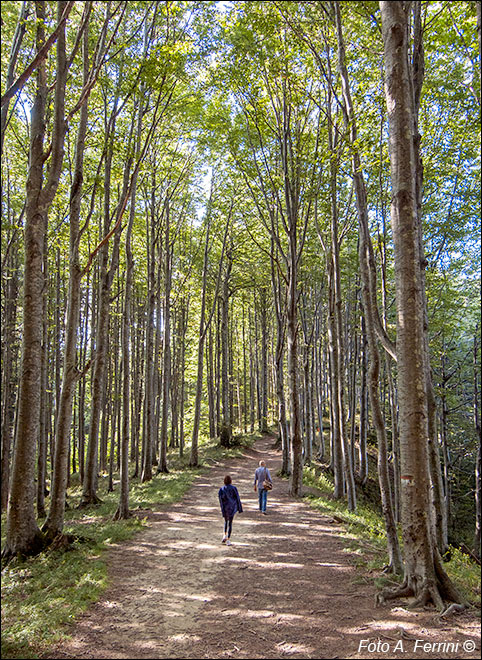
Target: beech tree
153, 315
23, 534
425, 577
370, 305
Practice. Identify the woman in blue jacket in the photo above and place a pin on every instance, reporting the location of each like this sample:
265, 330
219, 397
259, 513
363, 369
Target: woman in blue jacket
230, 503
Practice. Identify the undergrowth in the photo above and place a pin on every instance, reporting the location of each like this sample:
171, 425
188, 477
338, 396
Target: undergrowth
42, 594
366, 539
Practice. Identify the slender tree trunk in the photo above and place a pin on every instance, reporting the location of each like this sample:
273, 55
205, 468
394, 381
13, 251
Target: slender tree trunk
226, 425
210, 385
319, 390
264, 362
123, 512
194, 458
45, 409
8, 374
148, 421
362, 439
417, 74
89, 489
252, 383
82, 384
477, 427
55, 521
335, 435
296, 445
339, 343
279, 365
182, 367
166, 352
369, 310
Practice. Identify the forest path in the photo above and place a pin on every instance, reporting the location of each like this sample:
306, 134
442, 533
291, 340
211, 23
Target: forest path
285, 588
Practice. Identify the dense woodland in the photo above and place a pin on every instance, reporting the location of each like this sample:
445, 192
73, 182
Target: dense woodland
219, 217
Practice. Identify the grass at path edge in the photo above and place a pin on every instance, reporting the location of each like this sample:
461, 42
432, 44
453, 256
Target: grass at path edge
42, 595
365, 532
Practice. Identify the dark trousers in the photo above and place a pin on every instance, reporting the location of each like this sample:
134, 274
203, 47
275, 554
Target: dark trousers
228, 526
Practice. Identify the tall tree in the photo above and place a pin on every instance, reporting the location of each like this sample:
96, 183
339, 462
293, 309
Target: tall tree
425, 577
55, 520
370, 308
23, 534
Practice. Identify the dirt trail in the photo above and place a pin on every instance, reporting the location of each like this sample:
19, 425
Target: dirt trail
286, 588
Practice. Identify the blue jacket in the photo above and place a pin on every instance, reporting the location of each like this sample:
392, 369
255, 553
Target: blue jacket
229, 501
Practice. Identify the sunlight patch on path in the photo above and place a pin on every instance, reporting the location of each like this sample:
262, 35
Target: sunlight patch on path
255, 563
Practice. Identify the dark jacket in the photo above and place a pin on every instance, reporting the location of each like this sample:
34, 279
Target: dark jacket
229, 501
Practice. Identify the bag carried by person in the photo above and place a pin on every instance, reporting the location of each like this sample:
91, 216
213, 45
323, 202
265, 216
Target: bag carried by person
267, 485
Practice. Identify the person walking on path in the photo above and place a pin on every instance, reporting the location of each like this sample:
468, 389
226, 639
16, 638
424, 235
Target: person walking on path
262, 483
230, 504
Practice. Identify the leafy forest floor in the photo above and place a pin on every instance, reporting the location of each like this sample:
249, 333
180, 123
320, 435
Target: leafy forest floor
287, 587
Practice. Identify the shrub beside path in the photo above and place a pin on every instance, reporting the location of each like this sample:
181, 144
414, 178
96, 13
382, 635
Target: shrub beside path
285, 588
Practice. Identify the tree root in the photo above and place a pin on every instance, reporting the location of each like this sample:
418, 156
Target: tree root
454, 608
438, 590
391, 594
428, 593
63, 541
92, 500
36, 545
121, 515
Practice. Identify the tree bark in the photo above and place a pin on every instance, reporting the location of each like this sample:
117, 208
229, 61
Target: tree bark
279, 363
23, 534
148, 409
166, 343
225, 432
477, 428
369, 308
55, 519
10, 350
425, 577
123, 512
194, 457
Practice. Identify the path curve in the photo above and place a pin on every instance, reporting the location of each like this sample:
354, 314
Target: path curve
286, 588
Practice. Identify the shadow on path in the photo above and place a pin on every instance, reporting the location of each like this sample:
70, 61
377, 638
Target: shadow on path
285, 588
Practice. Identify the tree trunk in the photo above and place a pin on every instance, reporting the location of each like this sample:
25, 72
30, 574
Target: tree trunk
362, 436
225, 433
335, 435
55, 520
23, 534
148, 410
264, 361
296, 444
369, 309
166, 345
10, 349
425, 577
89, 489
477, 428
279, 364
210, 385
123, 512
194, 458
45, 408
